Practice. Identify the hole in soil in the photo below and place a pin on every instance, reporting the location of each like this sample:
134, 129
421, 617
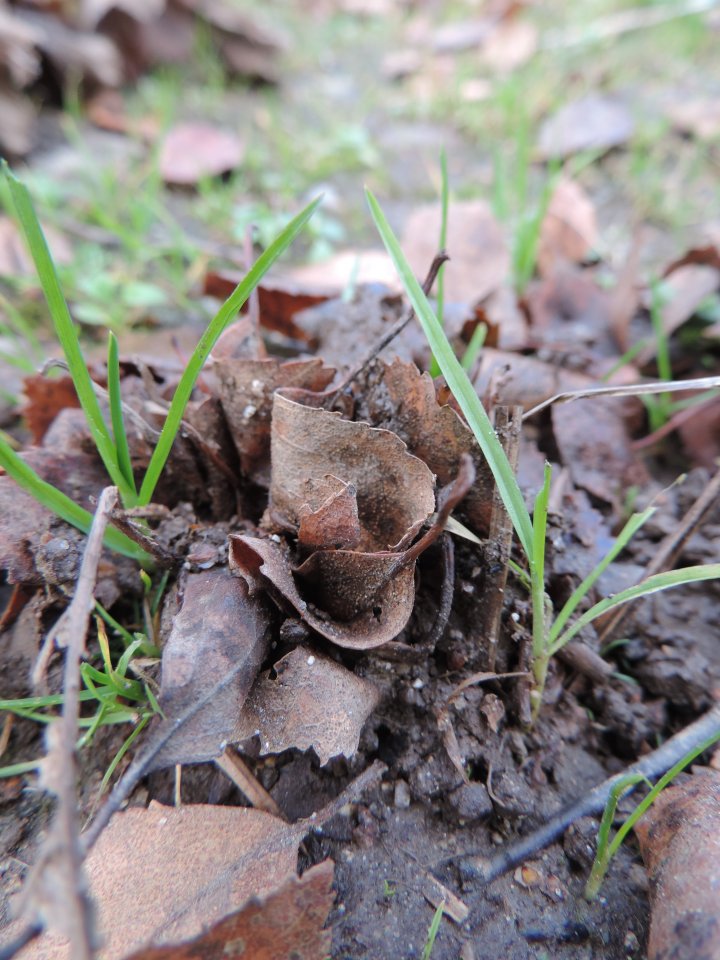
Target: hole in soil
391, 744
477, 770
377, 611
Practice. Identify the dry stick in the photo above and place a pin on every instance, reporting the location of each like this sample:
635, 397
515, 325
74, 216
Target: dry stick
389, 335
668, 550
234, 767
63, 842
120, 520
508, 423
447, 593
473, 867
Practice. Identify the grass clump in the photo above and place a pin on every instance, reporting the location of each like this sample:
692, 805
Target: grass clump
550, 631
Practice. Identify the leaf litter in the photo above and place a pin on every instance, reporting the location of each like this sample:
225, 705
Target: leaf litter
330, 510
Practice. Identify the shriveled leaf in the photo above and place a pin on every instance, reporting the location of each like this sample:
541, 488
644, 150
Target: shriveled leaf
311, 703
246, 393
289, 922
192, 151
680, 844
403, 400
389, 614
594, 122
394, 489
219, 626
328, 517
162, 874
479, 258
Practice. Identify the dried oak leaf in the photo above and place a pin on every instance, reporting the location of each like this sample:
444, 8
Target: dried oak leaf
246, 393
289, 922
403, 400
221, 625
680, 844
159, 875
312, 702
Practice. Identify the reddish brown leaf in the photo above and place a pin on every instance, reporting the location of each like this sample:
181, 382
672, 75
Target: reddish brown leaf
286, 923
45, 398
191, 151
390, 610
219, 626
246, 393
593, 122
479, 258
329, 515
680, 843
162, 874
279, 300
312, 703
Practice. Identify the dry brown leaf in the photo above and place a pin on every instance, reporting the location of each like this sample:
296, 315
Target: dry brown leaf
403, 400
219, 625
389, 614
568, 308
289, 922
594, 122
160, 875
312, 703
479, 258
45, 398
680, 844
279, 299
346, 267
696, 118
246, 393
394, 489
683, 291
511, 45
192, 151
593, 441
328, 516
569, 229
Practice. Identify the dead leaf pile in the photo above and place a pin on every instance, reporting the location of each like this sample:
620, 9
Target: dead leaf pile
106, 43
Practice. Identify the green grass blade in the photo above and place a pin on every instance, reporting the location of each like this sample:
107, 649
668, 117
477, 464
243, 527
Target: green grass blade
65, 330
122, 451
477, 342
603, 855
623, 538
225, 314
654, 584
460, 384
652, 796
433, 931
444, 204
65, 508
537, 564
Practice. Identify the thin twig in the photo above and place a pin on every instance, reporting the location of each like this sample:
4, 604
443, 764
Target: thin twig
61, 859
447, 592
666, 553
390, 334
627, 390
473, 867
496, 552
234, 767
138, 535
